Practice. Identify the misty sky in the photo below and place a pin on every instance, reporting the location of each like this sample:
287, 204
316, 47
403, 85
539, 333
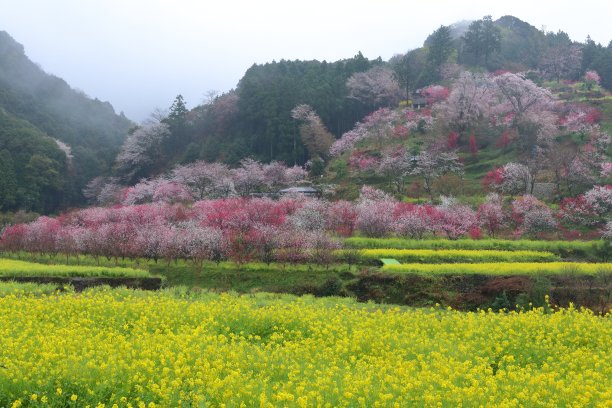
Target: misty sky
140, 54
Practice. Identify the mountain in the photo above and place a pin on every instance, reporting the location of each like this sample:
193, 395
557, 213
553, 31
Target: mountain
38, 108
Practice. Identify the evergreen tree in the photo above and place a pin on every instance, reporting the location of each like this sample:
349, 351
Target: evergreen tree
482, 39
8, 181
440, 47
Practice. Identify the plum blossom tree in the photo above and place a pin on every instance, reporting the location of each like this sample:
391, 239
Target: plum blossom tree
591, 78
313, 133
248, 178
532, 215
394, 165
455, 219
491, 215
376, 87
561, 61
311, 216
516, 179
600, 200
414, 221
469, 102
141, 151
432, 163
205, 180
172, 192
341, 218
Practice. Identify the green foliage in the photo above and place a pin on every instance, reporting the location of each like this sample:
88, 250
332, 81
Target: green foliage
566, 249
36, 108
456, 255
14, 268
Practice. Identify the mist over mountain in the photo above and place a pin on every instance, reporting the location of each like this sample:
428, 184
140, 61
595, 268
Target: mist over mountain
40, 108
84, 139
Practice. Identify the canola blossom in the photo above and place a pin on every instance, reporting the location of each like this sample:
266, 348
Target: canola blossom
503, 268
457, 255
14, 268
133, 349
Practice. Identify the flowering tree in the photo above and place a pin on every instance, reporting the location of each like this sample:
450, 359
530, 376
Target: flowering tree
469, 102
561, 61
591, 78
394, 165
599, 198
532, 215
414, 221
313, 133
431, 164
455, 219
142, 150
205, 180
311, 216
341, 218
249, 177
491, 214
172, 192
376, 87
516, 179
435, 93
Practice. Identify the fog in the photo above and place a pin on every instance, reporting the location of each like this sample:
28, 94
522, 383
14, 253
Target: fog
139, 55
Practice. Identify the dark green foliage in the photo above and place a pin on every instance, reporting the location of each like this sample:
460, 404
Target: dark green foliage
32, 167
255, 120
482, 39
33, 105
440, 46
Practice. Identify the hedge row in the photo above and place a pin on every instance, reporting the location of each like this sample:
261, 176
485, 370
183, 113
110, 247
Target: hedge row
14, 268
455, 255
502, 268
566, 249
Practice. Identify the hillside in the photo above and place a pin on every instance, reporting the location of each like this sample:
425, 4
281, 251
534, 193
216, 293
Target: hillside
254, 120
48, 107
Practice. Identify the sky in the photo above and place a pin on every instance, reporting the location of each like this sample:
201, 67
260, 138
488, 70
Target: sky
140, 54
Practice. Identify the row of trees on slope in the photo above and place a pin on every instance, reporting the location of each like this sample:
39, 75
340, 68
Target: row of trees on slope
293, 229
552, 141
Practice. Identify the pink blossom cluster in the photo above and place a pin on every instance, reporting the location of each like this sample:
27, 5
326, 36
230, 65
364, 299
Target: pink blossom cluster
292, 229
383, 125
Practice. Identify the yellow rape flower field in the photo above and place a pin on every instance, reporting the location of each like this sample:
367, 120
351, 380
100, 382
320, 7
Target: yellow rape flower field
107, 348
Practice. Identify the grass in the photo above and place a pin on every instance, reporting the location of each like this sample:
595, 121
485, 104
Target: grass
578, 249
502, 268
456, 255
225, 276
17, 268
21, 288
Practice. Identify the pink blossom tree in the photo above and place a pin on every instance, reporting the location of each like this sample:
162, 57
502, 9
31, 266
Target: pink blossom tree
491, 215
376, 87
248, 178
341, 218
